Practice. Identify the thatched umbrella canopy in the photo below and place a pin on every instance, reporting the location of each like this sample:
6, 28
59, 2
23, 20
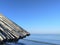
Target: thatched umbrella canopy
10, 31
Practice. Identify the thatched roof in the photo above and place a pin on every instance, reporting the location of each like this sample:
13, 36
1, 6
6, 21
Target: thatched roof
10, 31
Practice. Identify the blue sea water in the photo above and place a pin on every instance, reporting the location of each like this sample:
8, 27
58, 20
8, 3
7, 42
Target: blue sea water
49, 38
39, 39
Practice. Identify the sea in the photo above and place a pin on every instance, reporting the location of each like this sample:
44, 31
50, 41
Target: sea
38, 39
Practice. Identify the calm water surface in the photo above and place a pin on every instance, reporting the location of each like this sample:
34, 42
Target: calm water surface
38, 39
50, 38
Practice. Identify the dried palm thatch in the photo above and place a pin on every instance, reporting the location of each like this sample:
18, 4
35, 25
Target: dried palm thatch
10, 31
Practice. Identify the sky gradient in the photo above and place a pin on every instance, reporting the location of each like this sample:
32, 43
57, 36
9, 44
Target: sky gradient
36, 16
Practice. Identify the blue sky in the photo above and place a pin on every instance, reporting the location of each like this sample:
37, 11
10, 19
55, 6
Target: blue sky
36, 16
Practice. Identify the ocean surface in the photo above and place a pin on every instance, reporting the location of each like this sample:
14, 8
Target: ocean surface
38, 39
